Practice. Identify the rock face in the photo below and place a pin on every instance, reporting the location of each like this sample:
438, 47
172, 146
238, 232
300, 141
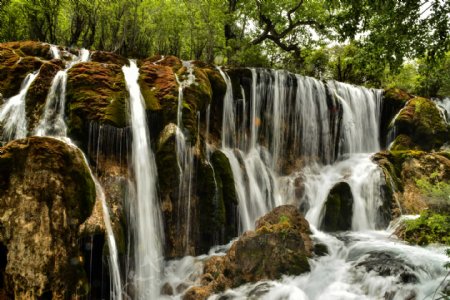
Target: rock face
338, 209
280, 245
416, 180
420, 126
46, 193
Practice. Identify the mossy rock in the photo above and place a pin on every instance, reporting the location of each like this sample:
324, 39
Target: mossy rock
403, 142
95, 92
30, 48
108, 58
422, 121
166, 159
46, 193
222, 168
338, 209
12, 75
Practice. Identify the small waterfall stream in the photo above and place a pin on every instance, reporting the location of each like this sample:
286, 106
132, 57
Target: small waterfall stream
185, 157
13, 114
52, 122
144, 206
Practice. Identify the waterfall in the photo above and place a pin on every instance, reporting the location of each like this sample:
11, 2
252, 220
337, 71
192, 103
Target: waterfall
185, 158
52, 122
444, 106
144, 208
255, 182
13, 113
55, 52
361, 118
297, 127
113, 258
364, 179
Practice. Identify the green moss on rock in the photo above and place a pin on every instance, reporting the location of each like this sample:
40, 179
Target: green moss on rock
422, 121
95, 92
338, 209
429, 228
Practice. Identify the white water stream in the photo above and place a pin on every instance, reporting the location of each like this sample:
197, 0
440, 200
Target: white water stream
13, 113
144, 211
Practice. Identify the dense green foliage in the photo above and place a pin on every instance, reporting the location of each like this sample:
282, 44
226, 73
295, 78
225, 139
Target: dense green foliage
428, 228
366, 42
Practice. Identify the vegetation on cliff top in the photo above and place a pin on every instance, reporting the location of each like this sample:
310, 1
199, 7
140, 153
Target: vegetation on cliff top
377, 43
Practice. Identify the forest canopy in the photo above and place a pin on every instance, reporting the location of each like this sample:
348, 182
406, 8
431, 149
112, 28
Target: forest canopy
371, 42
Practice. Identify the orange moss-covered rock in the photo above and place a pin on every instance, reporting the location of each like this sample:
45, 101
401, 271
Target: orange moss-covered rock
30, 48
95, 92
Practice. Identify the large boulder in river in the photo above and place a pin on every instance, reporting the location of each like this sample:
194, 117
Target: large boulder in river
423, 123
46, 193
338, 209
280, 245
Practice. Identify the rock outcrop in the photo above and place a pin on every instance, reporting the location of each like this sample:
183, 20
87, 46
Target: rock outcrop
46, 193
279, 246
416, 180
338, 209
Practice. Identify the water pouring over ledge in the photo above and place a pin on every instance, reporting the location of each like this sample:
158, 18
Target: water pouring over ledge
144, 212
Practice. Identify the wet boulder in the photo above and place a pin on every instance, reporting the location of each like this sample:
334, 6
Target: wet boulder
46, 193
338, 209
280, 245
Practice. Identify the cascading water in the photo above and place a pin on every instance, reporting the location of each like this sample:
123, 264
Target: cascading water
144, 212
185, 157
13, 114
52, 121
255, 183
444, 107
335, 126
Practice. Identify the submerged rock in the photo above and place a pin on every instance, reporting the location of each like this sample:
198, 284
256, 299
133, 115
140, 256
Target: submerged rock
338, 209
46, 193
387, 264
280, 245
